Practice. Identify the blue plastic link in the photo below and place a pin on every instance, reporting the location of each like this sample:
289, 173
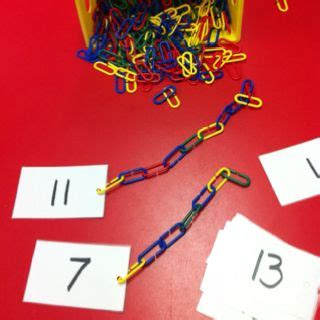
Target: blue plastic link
162, 244
128, 173
179, 149
165, 49
160, 98
178, 226
126, 25
159, 243
96, 43
251, 87
195, 201
120, 85
225, 114
218, 74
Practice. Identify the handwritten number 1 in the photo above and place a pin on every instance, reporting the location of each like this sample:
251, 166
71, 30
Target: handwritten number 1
275, 267
313, 168
257, 265
85, 262
53, 197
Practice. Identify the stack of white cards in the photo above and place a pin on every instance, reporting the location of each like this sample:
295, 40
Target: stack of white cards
251, 274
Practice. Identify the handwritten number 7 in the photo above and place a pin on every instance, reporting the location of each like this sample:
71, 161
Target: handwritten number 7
85, 262
275, 267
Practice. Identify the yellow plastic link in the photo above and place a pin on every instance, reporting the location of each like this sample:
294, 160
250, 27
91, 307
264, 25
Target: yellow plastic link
227, 54
139, 56
214, 178
210, 73
175, 104
204, 8
110, 185
183, 10
187, 56
132, 271
214, 49
192, 28
217, 58
218, 23
212, 125
254, 102
113, 67
150, 34
172, 12
237, 57
176, 26
283, 7
155, 20
205, 31
125, 73
216, 62
131, 86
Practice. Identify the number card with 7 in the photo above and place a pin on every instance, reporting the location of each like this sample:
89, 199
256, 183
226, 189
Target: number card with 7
77, 275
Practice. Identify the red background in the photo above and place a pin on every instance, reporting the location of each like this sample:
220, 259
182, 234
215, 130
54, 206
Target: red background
56, 110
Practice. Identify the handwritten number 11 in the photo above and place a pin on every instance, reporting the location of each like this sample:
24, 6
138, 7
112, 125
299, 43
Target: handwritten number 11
54, 191
275, 267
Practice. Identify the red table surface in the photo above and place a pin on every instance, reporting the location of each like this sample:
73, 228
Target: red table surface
56, 110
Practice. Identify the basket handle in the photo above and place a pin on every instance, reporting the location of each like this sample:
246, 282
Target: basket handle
85, 18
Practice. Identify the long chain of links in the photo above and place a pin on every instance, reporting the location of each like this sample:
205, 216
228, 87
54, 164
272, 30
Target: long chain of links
241, 100
179, 229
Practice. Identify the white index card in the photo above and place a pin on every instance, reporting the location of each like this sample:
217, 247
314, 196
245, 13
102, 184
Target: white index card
77, 275
251, 272
294, 172
60, 192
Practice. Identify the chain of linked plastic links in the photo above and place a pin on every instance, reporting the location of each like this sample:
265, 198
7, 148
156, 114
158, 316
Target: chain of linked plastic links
179, 229
241, 100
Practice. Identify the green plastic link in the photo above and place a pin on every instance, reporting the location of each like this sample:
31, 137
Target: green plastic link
186, 148
190, 216
243, 183
120, 4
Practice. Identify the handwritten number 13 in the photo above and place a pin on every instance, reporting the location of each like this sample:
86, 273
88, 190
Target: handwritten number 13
275, 267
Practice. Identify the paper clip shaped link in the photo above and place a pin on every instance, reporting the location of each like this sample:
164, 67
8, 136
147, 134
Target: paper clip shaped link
244, 182
120, 85
167, 94
246, 100
110, 185
106, 68
236, 57
131, 86
207, 76
188, 64
219, 126
132, 271
282, 5
126, 74
160, 98
173, 100
214, 178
